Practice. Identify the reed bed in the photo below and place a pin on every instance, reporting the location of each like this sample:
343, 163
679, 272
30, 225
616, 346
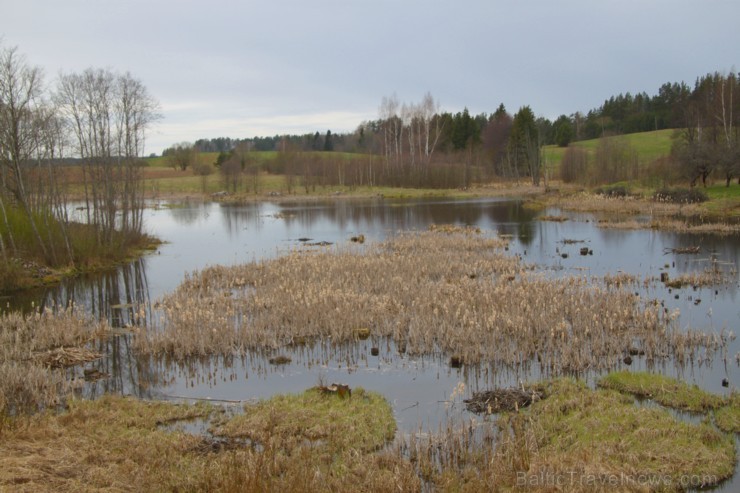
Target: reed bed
674, 225
36, 349
711, 276
588, 202
555, 219
454, 294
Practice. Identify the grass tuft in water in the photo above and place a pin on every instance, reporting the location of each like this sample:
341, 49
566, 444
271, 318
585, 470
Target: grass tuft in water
727, 417
663, 390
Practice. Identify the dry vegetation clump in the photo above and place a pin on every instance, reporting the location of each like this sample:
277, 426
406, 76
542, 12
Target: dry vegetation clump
501, 400
665, 224
119, 444
35, 349
631, 205
555, 219
455, 294
454, 228
713, 276
696, 228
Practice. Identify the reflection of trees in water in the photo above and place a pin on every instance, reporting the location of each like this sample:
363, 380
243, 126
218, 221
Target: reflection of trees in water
718, 253
382, 215
511, 217
121, 297
239, 217
187, 213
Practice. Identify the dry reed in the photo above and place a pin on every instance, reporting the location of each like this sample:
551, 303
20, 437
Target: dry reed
34, 351
673, 225
455, 294
588, 202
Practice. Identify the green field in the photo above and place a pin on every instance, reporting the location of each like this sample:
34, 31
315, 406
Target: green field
649, 146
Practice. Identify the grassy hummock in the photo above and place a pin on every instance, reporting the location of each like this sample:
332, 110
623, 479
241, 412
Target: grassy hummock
363, 422
663, 390
727, 418
306, 442
600, 437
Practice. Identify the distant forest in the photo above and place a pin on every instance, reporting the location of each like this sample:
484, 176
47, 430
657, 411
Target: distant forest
416, 144
676, 105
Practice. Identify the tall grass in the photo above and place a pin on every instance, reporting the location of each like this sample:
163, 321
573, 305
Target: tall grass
71, 245
432, 292
32, 373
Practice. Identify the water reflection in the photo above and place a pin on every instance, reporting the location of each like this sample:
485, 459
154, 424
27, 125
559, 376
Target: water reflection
200, 234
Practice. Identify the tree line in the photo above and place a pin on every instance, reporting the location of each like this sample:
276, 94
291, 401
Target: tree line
416, 140
101, 118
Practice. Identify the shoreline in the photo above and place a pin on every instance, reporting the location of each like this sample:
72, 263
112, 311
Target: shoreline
687, 218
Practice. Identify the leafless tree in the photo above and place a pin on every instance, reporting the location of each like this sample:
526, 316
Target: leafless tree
183, 156
109, 115
21, 123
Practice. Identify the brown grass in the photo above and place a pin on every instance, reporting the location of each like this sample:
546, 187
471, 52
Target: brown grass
664, 224
35, 349
588, 202
120, 444
429, 292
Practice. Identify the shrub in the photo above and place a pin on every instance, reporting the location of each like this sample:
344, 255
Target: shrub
680, 196
617, 191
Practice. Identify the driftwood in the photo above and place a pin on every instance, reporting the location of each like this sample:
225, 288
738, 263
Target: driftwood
685, 250
501, 400
280, 360
337, 389
62, 357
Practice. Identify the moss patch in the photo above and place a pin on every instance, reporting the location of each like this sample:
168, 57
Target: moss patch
663, 390
363, 422
596, 439
727, 417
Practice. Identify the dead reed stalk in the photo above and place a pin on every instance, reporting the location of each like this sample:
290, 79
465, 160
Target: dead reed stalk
451, 293
35, 349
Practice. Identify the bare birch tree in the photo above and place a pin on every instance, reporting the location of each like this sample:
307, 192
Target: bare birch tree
21, 117
109, 115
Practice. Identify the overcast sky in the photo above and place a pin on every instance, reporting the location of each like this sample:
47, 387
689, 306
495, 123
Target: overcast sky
248, 68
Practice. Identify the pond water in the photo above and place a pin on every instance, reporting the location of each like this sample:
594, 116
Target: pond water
422, 390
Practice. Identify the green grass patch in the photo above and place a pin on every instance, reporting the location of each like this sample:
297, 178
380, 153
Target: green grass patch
727, 417
363, 422
596, 439
648, 145
663, 390
124, 444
